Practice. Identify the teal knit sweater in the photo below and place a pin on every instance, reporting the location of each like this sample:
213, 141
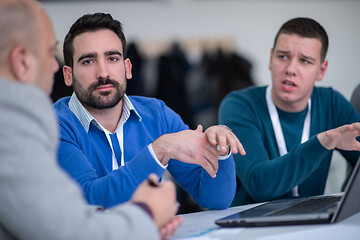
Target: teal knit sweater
262, 174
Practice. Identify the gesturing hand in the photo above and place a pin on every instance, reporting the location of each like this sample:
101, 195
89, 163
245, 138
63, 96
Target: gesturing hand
343, 137
196, 147
190, 146
223, 137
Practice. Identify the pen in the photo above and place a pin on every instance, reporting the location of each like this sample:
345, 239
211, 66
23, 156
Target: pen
152, 183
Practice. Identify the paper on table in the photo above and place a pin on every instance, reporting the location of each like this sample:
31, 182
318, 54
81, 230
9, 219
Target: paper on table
200, 224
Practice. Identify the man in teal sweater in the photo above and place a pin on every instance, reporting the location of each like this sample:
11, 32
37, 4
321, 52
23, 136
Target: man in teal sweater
290, 128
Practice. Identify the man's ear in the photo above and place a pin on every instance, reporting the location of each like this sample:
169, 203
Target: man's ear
271, 56
21, 61
67, 71
322, 71
128, 67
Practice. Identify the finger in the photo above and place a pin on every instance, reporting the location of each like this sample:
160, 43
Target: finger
170, 228
175, 227
164, 232
175, 224
233, 144
211, 156
240, 149
211, 137
204, 163
211, 150
199, 128
154, 178
236, 146
223, 144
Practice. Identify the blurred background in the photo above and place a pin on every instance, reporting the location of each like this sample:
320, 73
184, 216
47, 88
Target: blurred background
191, 53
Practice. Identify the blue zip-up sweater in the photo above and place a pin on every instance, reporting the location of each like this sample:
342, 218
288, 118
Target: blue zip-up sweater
87, 157
262, 174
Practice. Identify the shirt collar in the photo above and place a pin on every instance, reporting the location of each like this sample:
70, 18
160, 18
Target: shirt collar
86, 118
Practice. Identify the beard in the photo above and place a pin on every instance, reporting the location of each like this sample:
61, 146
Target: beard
105, 100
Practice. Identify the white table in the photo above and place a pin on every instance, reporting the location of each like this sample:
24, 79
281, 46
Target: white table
201, 226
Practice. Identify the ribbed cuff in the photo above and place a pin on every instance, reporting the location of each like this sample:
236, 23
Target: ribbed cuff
145, 207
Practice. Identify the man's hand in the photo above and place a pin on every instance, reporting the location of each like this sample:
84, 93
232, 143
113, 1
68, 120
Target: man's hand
161, 199
196, 147
343, 137
189, 146
170, 228
223, 137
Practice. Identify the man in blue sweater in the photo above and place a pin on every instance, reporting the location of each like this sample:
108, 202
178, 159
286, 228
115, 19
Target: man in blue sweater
291, 126
111, 142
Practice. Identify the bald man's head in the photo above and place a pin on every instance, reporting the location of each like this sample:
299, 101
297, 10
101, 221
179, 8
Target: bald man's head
18, 20
27, 43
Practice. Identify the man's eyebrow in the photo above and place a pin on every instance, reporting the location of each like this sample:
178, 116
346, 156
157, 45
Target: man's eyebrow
302, 55
308, 58
87, 55
113, 52
282, 52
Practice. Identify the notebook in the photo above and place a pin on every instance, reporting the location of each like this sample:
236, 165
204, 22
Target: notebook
295, 211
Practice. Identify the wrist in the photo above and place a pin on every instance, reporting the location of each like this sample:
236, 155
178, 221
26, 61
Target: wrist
325, 141
144, 207
161, 150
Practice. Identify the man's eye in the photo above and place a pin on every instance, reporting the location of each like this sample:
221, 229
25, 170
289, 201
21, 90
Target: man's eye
113, 59
86, 62
282, 56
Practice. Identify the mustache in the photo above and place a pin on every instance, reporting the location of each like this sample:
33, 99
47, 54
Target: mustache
103, 81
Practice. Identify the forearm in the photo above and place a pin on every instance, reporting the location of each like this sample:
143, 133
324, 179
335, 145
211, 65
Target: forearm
218, 193
208, 192
266, 179
113, 187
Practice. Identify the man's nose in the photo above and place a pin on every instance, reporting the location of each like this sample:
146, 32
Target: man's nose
102, 70
291, 67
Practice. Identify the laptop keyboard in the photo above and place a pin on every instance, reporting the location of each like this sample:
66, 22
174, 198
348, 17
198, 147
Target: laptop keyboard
307, 206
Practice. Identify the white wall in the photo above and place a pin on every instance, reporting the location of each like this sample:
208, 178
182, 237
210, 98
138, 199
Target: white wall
252, 23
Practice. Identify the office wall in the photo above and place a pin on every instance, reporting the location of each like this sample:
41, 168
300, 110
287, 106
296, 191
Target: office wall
251, 24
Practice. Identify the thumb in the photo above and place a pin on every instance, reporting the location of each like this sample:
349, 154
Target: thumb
199, 128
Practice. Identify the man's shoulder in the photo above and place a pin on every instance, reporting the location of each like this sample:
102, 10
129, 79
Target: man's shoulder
154, 109
247, 95
249, 91
61, 106
26, 94
327, 93
63, 112
143, 100
27, 107
141, 103
26, 97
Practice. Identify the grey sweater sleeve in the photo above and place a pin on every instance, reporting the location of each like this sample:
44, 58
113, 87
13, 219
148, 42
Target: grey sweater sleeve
37, 199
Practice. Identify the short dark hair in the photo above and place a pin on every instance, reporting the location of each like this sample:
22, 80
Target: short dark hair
306, 27
91, 23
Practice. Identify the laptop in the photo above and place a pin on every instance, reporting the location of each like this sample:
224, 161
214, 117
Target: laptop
296, 211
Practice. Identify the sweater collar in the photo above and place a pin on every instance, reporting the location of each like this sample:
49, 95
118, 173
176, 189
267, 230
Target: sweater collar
86, 118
